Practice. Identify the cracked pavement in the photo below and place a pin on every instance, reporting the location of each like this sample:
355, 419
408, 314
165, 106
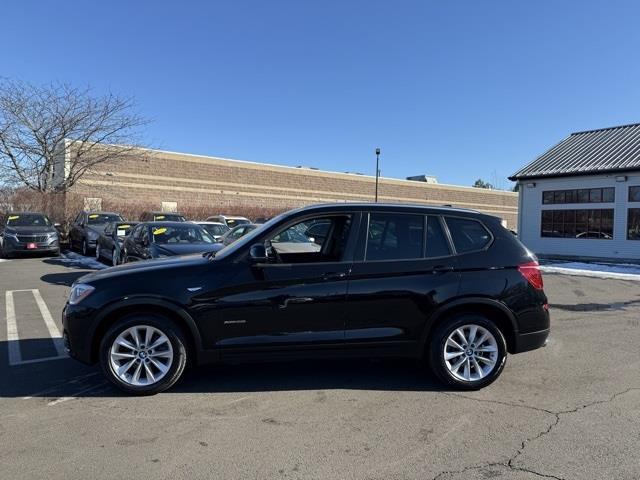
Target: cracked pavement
568, 411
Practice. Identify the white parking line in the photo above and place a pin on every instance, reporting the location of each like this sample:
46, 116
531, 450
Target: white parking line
15, 355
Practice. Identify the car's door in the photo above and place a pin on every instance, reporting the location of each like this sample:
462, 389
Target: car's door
292, 299
75, 234
134, 243
403, 271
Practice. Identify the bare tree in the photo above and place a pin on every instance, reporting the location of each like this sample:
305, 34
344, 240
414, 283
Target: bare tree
51, 135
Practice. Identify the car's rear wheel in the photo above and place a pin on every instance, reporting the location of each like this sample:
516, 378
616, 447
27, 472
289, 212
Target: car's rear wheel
143, 354
467, 352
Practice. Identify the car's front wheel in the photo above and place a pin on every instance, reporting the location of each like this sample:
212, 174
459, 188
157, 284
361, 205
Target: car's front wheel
143, 354
85, 248
467, 352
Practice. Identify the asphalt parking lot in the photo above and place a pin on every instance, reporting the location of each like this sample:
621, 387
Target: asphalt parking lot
569, 411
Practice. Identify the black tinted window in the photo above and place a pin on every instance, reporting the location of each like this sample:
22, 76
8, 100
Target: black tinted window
468, 235
395, 236
437, 245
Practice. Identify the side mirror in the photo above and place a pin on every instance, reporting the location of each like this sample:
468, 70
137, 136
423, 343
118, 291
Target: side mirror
258, 253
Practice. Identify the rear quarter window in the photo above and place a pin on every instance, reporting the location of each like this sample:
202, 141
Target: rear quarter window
468, 235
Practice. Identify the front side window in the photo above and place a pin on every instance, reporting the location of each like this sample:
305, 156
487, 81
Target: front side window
395, 236
633, 224
319, 239
468, 235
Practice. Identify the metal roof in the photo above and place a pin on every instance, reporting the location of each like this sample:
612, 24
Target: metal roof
606, 150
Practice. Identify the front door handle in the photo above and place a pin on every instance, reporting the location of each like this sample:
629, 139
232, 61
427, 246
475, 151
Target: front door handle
295, 300
334, 276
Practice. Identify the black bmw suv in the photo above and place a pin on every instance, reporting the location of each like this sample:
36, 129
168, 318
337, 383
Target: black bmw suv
450, 286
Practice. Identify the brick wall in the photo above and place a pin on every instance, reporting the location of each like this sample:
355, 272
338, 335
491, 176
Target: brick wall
224, 186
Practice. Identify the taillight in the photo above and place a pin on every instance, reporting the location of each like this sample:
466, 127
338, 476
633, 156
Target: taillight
531, 271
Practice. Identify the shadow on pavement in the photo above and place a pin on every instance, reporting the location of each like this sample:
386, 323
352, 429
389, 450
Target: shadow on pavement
69, 378
66, 278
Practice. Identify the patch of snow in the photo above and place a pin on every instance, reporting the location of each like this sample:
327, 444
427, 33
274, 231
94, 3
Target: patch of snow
80, 261
619, 271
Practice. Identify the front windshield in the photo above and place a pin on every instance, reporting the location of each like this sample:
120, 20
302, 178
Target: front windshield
180, 234
169, 217
215, 229
100, 218
234, 222
28, 220
123, 229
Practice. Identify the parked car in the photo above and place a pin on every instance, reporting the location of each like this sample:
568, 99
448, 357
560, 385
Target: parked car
165, 239
236, 233
110, 242
162, 217
449, 286
87, 228
215, 229
27, 232
229, 221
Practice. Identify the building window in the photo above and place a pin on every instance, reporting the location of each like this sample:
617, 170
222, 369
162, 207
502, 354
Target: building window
582, 195
583, 223
634, 194
633, 224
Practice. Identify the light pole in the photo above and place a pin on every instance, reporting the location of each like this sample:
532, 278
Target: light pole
377, 171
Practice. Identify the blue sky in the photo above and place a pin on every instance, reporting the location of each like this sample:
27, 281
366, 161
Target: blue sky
457, 89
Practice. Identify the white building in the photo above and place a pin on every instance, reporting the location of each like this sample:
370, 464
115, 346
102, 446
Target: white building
581, 198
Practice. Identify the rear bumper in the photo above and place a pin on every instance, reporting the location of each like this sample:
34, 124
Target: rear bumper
530, 341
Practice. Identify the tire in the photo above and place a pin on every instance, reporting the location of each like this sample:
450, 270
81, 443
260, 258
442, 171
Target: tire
114, 258
98, 252
85, 248
171, 353
491, 357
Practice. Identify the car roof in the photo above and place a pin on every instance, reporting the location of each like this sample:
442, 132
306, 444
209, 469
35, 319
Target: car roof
400, 207
204, 222
26, 213
164, 213
167, 224
98, 212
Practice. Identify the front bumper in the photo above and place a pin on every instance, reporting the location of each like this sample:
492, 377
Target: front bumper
11, 246
77, 331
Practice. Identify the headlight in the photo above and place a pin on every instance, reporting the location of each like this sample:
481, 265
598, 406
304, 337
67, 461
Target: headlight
52, 236
79, 292
11, 235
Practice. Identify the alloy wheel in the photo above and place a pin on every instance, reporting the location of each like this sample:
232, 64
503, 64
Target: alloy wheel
470, 353
141, 355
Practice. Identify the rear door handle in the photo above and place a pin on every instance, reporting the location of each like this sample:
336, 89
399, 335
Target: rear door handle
334, 276
442, 269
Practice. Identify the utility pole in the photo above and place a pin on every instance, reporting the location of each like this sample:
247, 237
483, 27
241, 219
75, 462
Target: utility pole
377, 171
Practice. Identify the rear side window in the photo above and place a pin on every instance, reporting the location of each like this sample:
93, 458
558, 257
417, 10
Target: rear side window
437, 245
468, 235
393, 236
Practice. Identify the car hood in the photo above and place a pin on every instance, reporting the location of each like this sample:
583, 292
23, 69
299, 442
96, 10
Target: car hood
163, 264
184, 248
31, 230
